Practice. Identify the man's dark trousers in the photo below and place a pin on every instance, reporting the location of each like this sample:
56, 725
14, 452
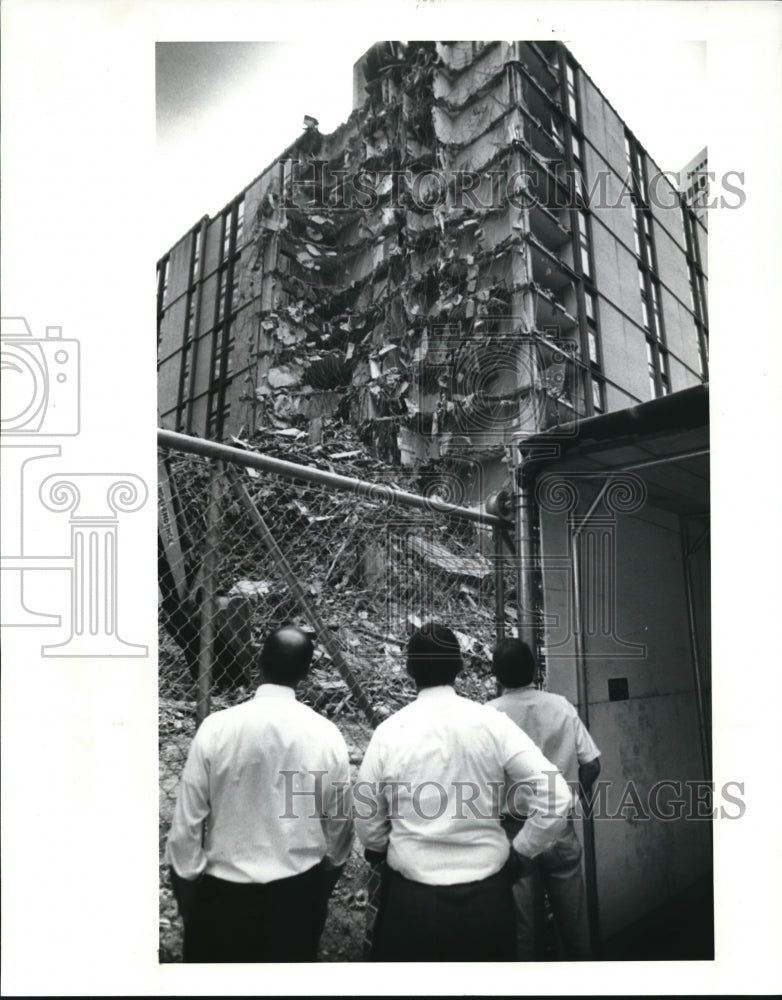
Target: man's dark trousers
277, 921
469, 922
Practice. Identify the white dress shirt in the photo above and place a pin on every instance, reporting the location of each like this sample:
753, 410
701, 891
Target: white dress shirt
432, 784
264, 794
552, 723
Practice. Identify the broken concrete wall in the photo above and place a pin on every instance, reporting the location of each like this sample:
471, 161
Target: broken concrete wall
369, 254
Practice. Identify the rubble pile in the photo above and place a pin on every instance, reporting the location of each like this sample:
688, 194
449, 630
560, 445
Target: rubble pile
372, 571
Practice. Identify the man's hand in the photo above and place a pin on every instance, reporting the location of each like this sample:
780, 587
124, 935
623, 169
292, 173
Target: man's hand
185, 893
587, 776
520, 866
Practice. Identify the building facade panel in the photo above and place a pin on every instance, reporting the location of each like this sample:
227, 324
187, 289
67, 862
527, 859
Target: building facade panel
213, 245
169, 335
168, 389
670, 249
202, 363
208, 292
681, 337
172, 331
613, 148
593, 113
179, 269
609, 200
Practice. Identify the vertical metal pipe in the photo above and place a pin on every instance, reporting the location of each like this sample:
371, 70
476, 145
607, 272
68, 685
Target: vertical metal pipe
590, 860
499, 585
208, 585
525, 565
696, 664
578, 625
499, 591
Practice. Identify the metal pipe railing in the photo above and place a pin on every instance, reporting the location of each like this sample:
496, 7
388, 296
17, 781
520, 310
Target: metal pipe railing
374, 491
208, 606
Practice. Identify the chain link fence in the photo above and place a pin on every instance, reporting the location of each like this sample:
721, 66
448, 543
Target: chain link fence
244, 550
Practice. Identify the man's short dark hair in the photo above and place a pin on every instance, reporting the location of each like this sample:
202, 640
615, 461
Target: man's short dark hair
286, 656
433, 656
513, 663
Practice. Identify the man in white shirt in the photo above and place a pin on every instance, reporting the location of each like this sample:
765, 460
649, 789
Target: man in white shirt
262, 825
428, 800
553, 724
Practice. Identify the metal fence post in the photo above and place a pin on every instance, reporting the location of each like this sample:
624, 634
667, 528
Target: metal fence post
588, 828
207, 589
525, 580
499, 585
307, 606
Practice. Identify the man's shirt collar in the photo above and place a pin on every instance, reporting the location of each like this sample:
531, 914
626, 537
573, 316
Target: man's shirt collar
275, 691
440, 691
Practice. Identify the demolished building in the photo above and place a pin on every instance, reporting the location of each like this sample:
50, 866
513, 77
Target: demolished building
479, 253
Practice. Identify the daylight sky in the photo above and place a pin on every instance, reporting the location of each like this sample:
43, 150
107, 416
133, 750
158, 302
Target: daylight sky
225, 110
